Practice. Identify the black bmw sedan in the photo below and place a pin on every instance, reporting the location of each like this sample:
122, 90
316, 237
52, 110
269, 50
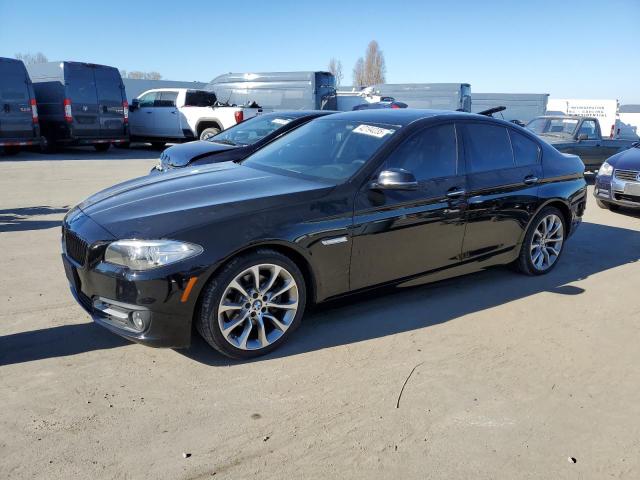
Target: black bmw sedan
342, 204
237, 142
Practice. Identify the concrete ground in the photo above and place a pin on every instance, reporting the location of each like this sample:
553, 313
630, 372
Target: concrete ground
513, 377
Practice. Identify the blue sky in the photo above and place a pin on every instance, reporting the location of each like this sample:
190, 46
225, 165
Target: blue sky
579, 49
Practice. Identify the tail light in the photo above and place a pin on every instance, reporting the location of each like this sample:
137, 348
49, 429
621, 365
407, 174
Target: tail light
125, 109
68, 116
34, 111
394, 106
613, 131
239, 116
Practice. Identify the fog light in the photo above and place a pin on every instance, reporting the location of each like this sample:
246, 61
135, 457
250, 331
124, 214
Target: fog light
138, 319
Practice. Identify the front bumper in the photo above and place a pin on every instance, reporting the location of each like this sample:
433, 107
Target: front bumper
611, 190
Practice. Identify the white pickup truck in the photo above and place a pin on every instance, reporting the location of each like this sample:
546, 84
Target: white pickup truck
180, 114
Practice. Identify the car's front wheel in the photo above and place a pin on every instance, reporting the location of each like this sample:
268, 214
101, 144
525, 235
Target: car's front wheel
543, 242
252, 305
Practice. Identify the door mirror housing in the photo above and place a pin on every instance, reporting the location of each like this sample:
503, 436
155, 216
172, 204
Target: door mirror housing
135, 104
395, 179
583, 136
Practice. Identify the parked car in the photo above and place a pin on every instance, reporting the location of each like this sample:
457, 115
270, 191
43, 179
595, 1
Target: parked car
19, 124
618, 181
180, 114
237, 142
578, 135
80, 104
344, 203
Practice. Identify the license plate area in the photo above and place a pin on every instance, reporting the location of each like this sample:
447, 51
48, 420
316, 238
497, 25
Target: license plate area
632, 189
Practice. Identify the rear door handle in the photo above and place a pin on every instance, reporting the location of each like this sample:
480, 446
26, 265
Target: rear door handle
530, 180
456, 192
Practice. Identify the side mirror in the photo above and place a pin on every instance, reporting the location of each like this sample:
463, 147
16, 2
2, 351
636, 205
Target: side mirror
135, 104
395, 179
583, 136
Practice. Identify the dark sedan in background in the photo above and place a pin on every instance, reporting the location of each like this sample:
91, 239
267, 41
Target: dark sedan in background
618, 180
237, 142
341, 204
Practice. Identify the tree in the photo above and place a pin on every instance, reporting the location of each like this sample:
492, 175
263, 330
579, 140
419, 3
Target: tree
153, 76
335, 67
32, 58
138, 75
375, 68
358, 74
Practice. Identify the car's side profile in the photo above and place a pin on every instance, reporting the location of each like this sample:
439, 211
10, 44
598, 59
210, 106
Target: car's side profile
236, 142
345, 203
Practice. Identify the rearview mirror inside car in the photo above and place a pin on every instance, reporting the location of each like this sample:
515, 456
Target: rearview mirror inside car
395, 179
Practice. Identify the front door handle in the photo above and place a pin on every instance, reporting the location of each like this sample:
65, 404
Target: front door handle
530, 180
456, 192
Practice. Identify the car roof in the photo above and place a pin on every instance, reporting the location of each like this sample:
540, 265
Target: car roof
297, 113
405, 116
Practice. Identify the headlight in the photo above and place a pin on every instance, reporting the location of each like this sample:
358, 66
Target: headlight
147, 254
605, 170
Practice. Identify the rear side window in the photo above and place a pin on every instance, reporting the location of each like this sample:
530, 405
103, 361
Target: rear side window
166, 99
487, 147
109, 85
81, 84
199, 98
13, 82
525, 150
431, 153
148, 99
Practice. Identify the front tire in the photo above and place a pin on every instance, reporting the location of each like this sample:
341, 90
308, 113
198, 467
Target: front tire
207, 133
543, 243
102, 147
252, 305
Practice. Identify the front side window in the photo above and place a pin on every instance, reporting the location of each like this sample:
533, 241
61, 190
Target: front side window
589, 129
148, 99
431, 153
325, 149
252, 130
487, 147
525, 150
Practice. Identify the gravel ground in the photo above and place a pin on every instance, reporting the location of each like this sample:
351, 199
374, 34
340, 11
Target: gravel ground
513, 377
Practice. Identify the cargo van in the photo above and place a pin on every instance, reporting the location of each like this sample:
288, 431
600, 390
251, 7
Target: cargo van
80, 104
18, 110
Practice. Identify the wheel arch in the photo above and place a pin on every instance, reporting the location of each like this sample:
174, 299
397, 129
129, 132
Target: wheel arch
558, 203
208, 123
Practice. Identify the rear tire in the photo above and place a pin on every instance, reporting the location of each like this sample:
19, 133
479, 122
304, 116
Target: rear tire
254, 324
207, 133
9, 151
102, 147
543, 243
158, 145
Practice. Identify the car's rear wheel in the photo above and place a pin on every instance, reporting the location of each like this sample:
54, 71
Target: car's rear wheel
543, 243
158, 145
207, 133
102, 147
10, 150
253, 305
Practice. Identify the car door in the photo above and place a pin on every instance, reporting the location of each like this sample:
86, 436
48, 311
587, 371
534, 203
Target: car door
591, 149
141, 119
402, 233
110, 91
16, 117
81, 90
166, 119
503, 169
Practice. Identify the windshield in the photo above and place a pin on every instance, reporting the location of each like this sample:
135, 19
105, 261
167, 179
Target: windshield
326, 149
553, 125
252, 130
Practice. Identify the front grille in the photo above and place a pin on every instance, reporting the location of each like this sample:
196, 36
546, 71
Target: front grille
627, 175
75, 247
627, 198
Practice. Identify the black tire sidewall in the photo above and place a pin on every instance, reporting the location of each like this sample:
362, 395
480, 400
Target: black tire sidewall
211, 299
526, 264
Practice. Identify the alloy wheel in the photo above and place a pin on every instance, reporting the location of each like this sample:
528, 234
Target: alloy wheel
258, 306
546, 242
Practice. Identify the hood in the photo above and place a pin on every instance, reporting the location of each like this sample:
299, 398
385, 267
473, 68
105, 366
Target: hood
183, 154
159, 205
626, 160
556, 138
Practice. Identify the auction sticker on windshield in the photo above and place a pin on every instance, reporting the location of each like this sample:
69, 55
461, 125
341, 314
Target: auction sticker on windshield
373, 131
280, 121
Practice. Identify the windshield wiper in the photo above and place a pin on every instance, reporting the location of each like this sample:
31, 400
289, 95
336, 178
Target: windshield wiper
224, 142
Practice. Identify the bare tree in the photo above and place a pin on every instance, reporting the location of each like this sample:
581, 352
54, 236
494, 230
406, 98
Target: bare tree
153, 76
335, 67
138, 75
358, 74
375, 68
123, 73
32, 58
